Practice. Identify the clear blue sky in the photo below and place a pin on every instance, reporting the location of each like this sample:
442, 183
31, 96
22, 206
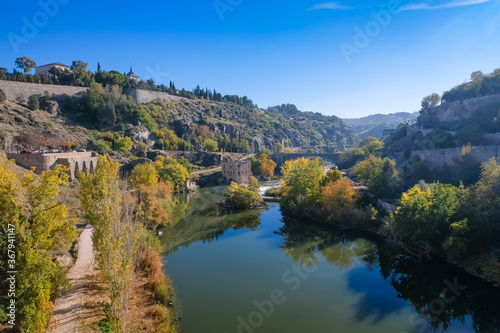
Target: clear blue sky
272, 51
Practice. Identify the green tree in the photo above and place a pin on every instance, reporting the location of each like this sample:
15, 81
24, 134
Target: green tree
112, 214
210, 145
301, 183
26, 64
145, 174
427, 221
331, 176
278, 148
101, 146
242, 196
31, 210
124, 145
33, 103
430, 101
380, 175
172, 171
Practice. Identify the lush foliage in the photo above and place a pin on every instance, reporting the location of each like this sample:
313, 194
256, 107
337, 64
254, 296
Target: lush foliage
173, 171
33, 103
113, 216
380, 175
242, 196
367, 146
29, 205
301, 183
266, 166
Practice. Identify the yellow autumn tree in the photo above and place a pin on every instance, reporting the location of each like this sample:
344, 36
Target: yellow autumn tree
267, 166
37, 223
113, 216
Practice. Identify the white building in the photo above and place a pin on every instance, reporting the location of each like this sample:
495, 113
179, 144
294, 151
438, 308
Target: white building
132, 76
45, 69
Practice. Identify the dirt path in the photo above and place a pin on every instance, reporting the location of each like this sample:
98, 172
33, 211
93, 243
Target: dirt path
208, 170
67, 308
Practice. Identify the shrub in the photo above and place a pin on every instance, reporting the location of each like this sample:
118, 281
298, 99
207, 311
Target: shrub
20, 98
241, 196
33, 103
101, 146
3, 97
273, 192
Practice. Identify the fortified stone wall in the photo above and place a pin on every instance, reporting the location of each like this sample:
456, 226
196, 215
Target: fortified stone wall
86, 161
146, 96
12, 89
441, 157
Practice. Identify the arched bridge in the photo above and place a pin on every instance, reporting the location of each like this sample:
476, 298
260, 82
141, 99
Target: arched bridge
84, 161
280, 159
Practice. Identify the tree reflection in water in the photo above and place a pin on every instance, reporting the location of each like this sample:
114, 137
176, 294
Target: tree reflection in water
439, 293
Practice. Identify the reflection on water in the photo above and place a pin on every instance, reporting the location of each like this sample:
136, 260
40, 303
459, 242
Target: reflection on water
356, 284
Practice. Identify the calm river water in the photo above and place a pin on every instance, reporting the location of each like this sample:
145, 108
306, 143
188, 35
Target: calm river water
257, 272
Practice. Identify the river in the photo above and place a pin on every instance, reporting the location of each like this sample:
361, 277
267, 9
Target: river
255, 271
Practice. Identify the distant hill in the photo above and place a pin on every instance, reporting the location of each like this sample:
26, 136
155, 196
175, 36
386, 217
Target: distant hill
375, 124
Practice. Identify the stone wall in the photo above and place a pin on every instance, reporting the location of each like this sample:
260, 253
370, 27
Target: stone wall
146, 96
86, 161
12, 89
441, 157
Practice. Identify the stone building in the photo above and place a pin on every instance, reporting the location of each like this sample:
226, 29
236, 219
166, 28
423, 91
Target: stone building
84, 161
238, 171
45, 69
132, 76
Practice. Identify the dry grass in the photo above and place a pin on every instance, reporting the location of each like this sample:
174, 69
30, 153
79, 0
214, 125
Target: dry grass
145, 313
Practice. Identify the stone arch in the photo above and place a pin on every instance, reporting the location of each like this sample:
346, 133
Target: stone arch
84, 167
76, 169
91, 167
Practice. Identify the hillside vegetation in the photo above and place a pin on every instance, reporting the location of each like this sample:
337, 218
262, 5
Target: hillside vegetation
201, 119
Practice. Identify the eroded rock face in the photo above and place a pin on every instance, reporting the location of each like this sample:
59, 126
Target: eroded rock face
142, 134
453, 115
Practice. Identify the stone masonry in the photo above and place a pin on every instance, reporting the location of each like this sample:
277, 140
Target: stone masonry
238, 171
85, 162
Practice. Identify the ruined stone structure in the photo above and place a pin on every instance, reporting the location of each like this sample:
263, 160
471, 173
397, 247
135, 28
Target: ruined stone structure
12, 89
238, 171
85, 162
281, 158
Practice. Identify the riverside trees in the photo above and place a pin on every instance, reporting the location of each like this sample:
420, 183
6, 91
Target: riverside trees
39, 222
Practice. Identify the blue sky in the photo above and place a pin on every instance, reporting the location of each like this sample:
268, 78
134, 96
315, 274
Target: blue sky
272, 51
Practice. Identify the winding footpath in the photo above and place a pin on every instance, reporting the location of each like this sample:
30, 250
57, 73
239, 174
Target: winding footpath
67, 308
